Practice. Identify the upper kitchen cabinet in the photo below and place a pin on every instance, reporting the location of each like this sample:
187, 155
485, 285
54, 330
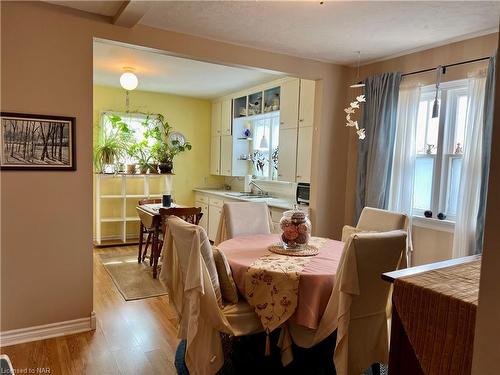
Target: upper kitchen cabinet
226, 121
265, 131
215, 155
289, 104
226, 155
304, 154
216, 118
306, 102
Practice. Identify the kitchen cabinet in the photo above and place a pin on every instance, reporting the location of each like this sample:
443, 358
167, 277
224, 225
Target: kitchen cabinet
226, 155
216, 118
304, 154
295, 142
204, 219
306, 102
294, 98
215, 148
289, 104
287, 154
226, 122
214, 214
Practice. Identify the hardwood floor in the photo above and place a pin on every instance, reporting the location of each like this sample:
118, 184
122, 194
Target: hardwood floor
132, 337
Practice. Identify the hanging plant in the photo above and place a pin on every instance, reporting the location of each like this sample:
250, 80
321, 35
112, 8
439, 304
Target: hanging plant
350, 111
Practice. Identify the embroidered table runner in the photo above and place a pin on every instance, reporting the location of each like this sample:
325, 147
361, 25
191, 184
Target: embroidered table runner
438, 312
272, 284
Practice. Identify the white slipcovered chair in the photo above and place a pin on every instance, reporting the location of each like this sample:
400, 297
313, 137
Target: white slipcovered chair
188, 273
243, 219
376, 220
357, 305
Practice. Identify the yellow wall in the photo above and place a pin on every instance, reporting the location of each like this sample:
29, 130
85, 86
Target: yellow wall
190, 116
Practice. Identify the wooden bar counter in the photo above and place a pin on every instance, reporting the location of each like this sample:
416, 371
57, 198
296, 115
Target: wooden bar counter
433, 317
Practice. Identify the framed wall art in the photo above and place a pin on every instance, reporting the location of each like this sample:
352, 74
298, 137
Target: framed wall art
37, 142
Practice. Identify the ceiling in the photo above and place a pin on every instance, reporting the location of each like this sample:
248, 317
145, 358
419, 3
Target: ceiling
330, 32
104, 8
159, 72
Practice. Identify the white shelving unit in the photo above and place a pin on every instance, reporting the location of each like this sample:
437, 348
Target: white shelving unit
123, 202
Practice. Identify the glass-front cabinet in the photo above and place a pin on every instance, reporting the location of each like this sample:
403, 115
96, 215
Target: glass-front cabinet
270, 140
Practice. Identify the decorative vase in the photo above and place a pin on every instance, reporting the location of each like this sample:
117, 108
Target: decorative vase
131, 168
295, 230
166, 167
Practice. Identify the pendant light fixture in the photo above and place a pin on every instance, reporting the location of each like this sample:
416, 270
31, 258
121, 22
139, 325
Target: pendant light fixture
357, 83
435, 106
264, 143
129, 81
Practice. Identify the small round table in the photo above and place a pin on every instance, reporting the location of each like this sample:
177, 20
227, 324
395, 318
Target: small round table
316, 279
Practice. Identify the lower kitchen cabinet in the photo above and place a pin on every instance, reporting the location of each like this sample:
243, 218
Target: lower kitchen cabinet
204, 218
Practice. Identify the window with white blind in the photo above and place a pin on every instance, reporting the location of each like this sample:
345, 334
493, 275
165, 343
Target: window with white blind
440, 143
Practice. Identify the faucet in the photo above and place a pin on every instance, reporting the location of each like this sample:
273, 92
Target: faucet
261, 191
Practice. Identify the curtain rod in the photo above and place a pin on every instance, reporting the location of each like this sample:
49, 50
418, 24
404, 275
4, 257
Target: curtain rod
445, 66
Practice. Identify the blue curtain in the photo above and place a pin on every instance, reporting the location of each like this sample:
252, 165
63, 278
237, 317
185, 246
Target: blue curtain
489, 103
375, 152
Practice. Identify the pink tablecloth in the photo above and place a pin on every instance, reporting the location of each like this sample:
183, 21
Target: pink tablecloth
316, 280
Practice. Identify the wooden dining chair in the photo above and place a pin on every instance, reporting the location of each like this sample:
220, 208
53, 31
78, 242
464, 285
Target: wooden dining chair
191, 215
143, 230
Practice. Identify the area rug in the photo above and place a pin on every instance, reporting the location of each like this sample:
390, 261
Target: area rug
133, 280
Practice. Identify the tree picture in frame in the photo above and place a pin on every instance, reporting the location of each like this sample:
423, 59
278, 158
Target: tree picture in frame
37, 142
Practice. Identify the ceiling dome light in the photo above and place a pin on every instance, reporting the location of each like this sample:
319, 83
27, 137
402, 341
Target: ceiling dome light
128, 80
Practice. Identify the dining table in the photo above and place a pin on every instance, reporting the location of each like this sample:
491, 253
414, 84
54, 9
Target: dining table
282, 287
149, 215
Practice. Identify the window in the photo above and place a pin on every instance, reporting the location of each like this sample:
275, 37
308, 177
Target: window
265, 145
440, 143
135, 123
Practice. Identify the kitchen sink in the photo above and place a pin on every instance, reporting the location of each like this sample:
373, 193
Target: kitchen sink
247, 195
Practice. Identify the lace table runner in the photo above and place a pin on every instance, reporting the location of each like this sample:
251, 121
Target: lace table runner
272, 283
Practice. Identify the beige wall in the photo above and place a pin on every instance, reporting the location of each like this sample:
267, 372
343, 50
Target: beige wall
450, 53
432, 246
46, 217
486, 348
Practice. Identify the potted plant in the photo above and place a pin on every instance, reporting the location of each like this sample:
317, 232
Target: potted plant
139, 151
111, 145
164, 150
162, 154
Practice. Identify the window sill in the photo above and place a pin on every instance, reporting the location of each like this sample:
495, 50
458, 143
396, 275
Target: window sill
434, 224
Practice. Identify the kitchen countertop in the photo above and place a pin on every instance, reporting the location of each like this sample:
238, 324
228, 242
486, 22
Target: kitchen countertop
271, 202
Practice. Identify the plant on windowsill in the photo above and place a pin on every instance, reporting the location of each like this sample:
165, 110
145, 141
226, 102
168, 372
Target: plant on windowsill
141, 153
164, 149
112, 145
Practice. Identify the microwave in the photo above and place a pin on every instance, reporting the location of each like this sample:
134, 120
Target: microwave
303, 193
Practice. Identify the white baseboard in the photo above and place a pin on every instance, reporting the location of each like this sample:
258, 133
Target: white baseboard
68, 327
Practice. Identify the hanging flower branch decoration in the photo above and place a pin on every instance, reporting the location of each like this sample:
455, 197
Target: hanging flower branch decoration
350, 111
